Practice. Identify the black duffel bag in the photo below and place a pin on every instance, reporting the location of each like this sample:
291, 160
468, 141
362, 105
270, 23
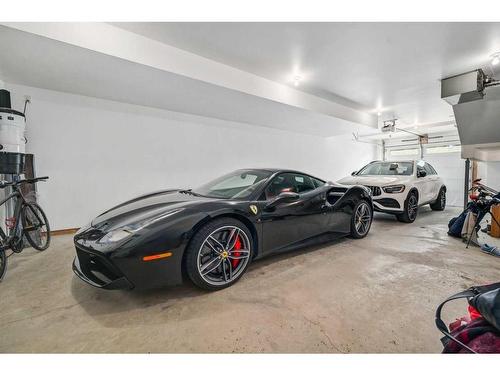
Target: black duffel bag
486, 300
488, 305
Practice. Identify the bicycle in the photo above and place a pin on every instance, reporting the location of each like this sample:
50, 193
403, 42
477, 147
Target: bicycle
482, 199
29, 221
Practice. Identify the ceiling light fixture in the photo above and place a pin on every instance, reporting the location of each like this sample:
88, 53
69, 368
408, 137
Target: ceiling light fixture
495, 58
379, 114
296, 80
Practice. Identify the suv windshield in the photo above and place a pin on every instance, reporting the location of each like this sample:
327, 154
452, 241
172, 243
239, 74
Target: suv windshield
238, 184
387, 169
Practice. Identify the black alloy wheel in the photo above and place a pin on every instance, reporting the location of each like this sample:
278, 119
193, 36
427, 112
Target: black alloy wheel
219, 254
440, 203
411, 209
361, 219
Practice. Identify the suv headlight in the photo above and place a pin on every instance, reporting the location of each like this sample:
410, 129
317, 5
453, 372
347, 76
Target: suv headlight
394, 189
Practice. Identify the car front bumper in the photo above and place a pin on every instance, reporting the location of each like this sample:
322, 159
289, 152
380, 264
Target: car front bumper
108, 270
97, 280
387, 202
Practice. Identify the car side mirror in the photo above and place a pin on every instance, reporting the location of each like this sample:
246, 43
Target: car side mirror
354, 173
421, 174
282, 198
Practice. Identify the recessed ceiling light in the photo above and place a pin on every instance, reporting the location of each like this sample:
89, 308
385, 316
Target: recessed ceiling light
379, 114
495, 58
296, 80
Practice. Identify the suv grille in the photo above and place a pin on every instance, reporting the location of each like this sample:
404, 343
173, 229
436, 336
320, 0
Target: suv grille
375, 190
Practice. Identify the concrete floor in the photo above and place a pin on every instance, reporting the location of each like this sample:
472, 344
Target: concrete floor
378, 294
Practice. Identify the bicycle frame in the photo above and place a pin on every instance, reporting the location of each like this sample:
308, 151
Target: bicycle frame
7, 238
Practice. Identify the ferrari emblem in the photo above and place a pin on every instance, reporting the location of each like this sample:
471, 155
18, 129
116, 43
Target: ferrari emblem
254, 209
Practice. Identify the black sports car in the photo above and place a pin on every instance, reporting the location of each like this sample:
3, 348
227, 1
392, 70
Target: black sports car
212, 233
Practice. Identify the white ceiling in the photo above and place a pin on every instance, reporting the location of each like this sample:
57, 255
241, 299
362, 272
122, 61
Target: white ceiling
37, 61
396, 66
243, 71
104, 61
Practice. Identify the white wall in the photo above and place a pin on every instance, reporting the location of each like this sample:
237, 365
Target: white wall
489, 172
345, 156
99, 153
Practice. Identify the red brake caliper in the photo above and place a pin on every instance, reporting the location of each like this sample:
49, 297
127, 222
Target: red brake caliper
237, 246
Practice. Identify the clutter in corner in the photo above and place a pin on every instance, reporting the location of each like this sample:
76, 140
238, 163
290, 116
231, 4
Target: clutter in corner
483, 201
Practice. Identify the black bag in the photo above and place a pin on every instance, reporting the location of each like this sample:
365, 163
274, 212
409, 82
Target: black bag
488, 305
456, 224
485, 299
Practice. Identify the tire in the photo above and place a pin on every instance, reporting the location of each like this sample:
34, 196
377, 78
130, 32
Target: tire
440, 203
361, 219
36, 227
212, 259
3, 264
411, 209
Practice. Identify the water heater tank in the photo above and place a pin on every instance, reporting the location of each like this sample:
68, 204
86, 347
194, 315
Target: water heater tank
12, 140
12, 128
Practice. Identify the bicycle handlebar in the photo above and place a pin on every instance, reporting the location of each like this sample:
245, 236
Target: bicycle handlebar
482, 189
4, 184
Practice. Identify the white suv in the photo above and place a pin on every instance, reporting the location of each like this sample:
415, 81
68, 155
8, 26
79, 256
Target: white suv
400, 187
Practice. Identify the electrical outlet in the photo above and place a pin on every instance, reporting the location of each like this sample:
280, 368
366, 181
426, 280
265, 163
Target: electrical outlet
27, 98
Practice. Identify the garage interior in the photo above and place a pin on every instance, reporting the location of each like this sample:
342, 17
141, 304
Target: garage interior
117, 110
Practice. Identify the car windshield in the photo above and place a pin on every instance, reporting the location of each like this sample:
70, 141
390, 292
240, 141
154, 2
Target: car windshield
236, 185
387, 169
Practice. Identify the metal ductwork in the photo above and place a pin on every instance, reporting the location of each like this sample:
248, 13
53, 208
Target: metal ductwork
464, 87
476, 105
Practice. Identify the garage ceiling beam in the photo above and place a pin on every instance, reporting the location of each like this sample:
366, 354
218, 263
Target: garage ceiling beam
116, 42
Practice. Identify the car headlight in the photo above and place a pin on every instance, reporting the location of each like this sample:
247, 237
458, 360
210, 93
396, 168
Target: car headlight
115, 236
394, 189
120, 234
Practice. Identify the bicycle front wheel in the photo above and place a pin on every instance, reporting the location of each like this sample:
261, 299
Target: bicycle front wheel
36, 227
3, 264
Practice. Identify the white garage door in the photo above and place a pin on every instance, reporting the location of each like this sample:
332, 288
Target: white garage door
451, 167
448, 163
